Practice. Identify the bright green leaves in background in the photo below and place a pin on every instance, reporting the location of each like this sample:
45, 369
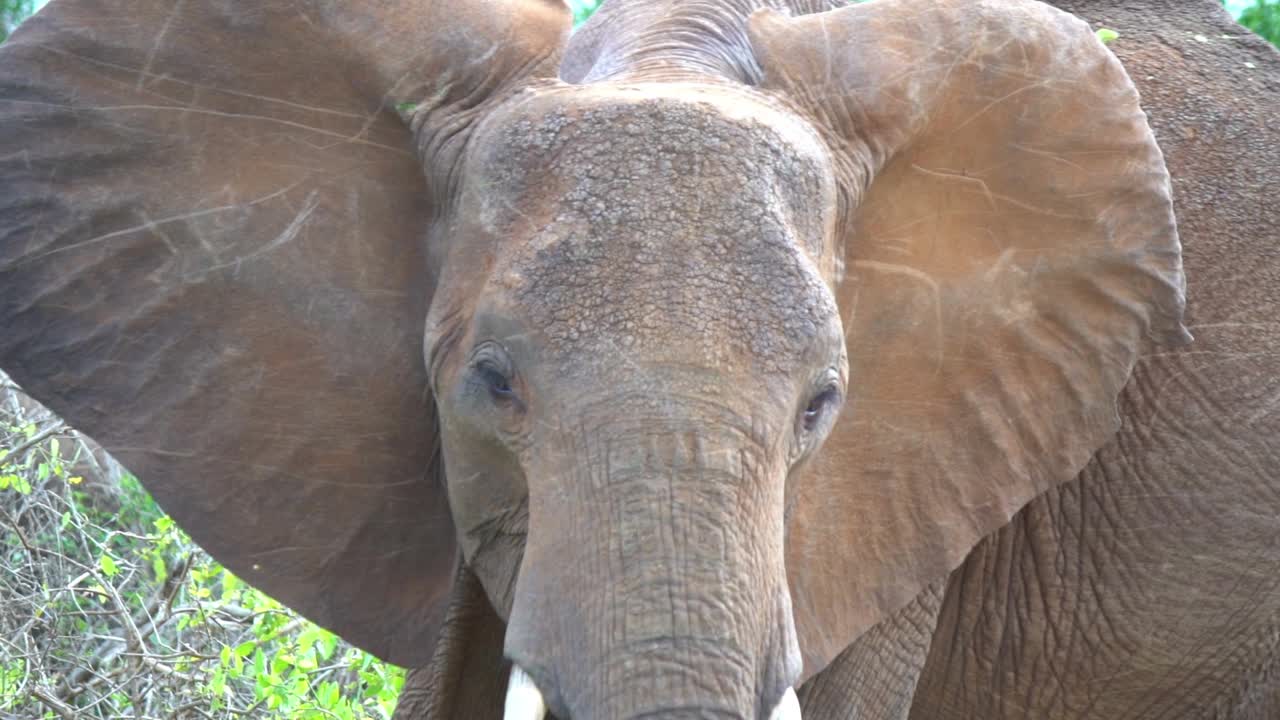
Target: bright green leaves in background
1263, 17
13, 12
108, 610
582, 9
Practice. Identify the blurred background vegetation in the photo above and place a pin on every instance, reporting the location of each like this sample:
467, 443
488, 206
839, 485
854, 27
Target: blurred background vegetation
108, 610
13, 12
1260, 16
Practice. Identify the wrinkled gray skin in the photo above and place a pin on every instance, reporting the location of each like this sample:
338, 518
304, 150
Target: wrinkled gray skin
603, 428
1150, 586
652, 372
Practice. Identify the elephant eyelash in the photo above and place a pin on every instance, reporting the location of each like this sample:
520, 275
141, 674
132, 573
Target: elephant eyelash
491, 370
818, 408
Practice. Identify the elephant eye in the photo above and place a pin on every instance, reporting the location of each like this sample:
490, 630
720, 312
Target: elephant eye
491, 372
498, 384
819, 406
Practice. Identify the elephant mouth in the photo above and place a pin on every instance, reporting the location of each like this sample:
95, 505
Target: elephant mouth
525, 701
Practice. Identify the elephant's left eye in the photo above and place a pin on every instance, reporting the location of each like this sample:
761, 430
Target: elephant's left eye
819, 405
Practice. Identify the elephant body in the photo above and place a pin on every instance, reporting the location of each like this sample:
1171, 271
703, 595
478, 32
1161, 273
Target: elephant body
1149, 587
727, 359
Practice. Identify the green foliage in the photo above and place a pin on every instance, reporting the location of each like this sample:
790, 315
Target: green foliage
1263, 17
1106, 35
109, 610
582, 9
13, 12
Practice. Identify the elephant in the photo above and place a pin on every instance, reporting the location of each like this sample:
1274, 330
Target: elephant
726, 358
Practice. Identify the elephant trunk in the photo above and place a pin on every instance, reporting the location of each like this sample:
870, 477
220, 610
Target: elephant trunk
653, 582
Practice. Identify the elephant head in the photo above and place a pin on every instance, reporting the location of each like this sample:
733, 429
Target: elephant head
703, 351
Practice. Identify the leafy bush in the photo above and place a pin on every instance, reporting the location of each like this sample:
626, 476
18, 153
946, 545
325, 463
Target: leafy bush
13, 12
108, 610
582, 9
1263, 17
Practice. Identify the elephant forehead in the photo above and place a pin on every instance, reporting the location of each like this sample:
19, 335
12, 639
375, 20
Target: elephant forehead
675, 229
685, 156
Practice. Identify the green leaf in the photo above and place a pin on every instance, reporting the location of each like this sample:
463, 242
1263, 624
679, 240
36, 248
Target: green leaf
328, 643
328, 694
1106, 35
218, 683
108, 565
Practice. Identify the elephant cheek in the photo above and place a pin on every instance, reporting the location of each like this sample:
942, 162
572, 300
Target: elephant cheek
488, 498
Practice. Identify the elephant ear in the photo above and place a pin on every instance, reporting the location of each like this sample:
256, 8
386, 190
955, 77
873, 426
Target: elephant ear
1009, 245
214, 260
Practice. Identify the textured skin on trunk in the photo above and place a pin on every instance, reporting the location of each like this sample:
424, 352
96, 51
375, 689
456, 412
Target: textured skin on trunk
1150, 586
703, 642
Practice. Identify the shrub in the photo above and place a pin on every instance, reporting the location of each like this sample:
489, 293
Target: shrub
108, 610
1263, 17
13, 12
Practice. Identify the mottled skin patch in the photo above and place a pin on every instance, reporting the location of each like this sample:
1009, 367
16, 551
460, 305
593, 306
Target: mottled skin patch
686, 226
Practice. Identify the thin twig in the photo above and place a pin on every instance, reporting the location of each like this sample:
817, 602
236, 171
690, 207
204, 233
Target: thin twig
62, 709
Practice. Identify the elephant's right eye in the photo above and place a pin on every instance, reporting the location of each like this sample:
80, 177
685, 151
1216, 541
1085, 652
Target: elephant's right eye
491, 371
497, 383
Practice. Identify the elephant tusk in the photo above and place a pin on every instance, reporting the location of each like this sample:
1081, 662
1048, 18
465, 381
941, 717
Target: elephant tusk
524, 700
788, 707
